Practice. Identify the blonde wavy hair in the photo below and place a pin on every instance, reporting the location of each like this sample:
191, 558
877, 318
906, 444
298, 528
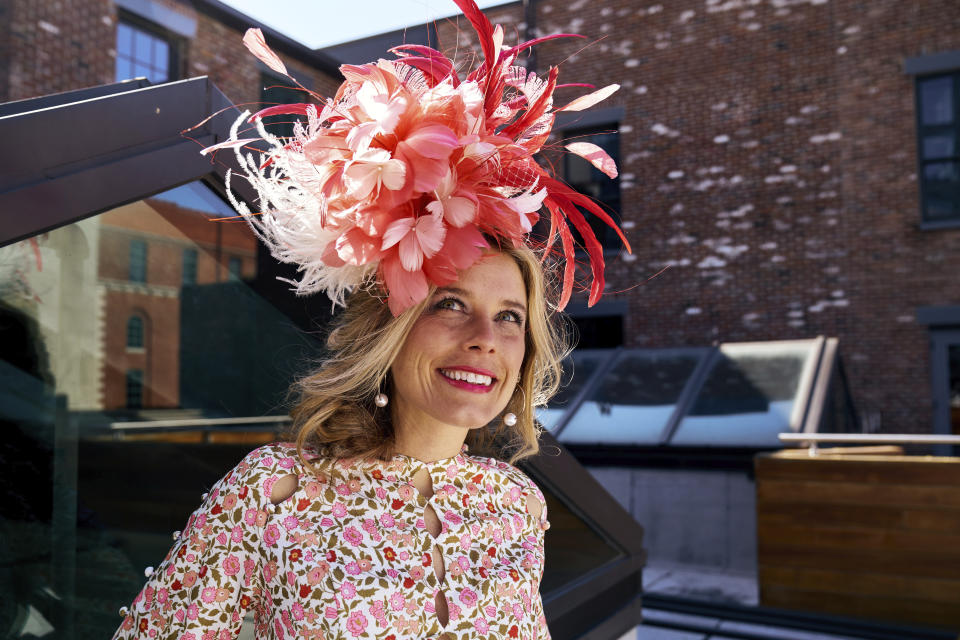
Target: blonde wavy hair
335, 414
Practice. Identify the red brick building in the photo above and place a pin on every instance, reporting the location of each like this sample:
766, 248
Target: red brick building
793, 162
769, 157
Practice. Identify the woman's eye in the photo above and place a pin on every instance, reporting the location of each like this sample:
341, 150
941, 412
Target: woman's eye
449, 303
512, 316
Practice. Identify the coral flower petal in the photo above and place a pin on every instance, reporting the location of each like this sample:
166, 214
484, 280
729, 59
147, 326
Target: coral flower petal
254, 41
432, 141
595, 156
406, 288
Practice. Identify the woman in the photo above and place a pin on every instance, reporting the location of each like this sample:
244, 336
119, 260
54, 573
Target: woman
415, 190
427, 541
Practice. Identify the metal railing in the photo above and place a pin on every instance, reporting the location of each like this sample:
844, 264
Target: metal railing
205, 425
814, 439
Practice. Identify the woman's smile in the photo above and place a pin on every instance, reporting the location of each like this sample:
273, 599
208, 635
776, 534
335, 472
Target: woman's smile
469, 379
460, 363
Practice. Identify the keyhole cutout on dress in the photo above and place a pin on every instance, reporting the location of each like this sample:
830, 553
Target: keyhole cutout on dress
424, 484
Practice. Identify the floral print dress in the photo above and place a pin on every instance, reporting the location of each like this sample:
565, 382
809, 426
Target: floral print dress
348, 554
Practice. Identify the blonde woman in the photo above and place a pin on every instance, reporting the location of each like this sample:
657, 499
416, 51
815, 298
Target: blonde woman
381, 521
395, 514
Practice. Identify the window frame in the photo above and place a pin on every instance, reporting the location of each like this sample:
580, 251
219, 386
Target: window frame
176, 44
135, 377
132, 322
192, 263
134, 267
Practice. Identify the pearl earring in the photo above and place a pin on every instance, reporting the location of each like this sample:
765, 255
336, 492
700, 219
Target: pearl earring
381, 400
510, 419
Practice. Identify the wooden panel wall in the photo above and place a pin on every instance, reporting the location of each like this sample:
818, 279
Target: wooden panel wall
873, 536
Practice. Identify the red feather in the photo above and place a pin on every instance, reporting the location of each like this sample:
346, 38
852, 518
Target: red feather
483, 28
536, 110
560, 190
281, 109
569, 254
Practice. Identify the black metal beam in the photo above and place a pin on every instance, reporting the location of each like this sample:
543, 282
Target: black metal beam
101, 148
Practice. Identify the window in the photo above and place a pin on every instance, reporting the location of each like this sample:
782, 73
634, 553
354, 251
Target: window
143, 51
134, 389
135, 333
938, 98
276, 90
189, 266
138, 261
235, 268
587, 179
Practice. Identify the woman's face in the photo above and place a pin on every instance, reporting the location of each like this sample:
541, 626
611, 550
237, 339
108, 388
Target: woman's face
461, 360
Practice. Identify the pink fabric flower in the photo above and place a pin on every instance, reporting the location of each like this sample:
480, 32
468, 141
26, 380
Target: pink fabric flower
230, 565
353, 535
356, 623
468, 597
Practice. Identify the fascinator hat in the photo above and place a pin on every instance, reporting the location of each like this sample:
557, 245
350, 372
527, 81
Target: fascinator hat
407, 174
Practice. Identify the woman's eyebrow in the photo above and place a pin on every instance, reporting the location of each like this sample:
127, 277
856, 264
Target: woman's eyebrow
513, 304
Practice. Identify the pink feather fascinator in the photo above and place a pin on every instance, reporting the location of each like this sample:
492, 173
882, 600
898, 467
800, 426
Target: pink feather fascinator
402, 177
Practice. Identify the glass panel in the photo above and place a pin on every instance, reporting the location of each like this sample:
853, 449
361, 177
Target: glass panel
124, 40
85, 505
123, 69
577, 372
134, 389
189, 266
749, 395
938, 146
138, 260
135, 332
141, 71
953, 358
573, 548
936, 101
142, 46
634, 401
941, 189
161, 55
235, 268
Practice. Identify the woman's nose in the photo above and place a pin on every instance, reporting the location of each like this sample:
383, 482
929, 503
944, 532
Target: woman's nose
480, 334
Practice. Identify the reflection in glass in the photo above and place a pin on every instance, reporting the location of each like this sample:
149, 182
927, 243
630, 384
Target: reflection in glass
940, 146
135, 332
749, 395
577, 371
572, 548
941, 182
633, 401
953, 359
97, 329
936, 101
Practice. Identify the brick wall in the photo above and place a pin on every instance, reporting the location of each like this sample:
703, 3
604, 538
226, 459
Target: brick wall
58, 46
768, 157
62, 45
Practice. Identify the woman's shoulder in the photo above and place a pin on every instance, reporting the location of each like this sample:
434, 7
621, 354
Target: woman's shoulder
263, 467
503, 473
514, 482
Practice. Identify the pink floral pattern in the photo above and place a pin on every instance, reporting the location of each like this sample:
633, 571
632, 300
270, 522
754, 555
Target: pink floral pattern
348, 556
